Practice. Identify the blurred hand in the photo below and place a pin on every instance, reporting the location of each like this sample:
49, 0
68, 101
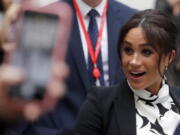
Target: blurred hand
14, 108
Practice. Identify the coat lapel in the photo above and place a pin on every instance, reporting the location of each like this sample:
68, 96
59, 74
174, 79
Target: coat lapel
76, 49
113, 27
125, 110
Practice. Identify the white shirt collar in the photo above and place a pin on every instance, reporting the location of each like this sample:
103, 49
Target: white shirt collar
84, 8
162, 95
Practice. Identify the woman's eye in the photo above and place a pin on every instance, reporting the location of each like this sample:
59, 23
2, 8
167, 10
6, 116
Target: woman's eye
128, 50
147, 52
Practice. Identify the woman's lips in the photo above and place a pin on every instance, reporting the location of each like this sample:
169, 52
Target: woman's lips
137, 75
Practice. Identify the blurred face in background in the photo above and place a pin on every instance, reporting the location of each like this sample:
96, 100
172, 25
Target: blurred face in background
140, 62
175, 4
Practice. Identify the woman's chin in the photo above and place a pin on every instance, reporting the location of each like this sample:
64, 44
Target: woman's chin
136, 86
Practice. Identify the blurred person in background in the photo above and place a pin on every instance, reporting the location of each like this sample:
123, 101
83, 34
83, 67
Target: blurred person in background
4, 6
172, 7
175, 6
92, 13
13, 110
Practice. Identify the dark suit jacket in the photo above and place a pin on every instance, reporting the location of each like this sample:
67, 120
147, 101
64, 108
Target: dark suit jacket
111, 111
177, 132
62, 118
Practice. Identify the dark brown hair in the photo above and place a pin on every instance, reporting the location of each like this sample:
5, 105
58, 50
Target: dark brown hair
159, 30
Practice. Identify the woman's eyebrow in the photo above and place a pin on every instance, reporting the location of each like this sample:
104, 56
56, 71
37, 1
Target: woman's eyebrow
142, 45
126, 42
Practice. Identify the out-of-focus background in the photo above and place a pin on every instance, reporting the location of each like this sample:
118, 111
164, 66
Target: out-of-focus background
139, 4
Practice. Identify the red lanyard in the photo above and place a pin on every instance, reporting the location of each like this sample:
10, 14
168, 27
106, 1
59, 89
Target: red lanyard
93, 54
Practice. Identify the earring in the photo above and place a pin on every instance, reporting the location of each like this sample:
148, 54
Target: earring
164, 77
166, 67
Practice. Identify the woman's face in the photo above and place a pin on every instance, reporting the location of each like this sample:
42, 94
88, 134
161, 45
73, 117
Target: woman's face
140, 62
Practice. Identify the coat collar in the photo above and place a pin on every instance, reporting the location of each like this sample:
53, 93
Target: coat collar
113, 23
125, 107
76, 50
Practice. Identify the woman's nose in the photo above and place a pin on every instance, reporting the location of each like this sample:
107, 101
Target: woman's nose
135, 60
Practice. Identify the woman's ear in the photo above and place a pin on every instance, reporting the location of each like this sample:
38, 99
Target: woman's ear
171, 56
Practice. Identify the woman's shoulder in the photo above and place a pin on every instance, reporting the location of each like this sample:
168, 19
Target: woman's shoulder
175, 93
175, 89
107, 95
104, 92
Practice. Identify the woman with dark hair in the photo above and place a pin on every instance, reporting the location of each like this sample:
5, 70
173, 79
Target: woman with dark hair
144, 104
